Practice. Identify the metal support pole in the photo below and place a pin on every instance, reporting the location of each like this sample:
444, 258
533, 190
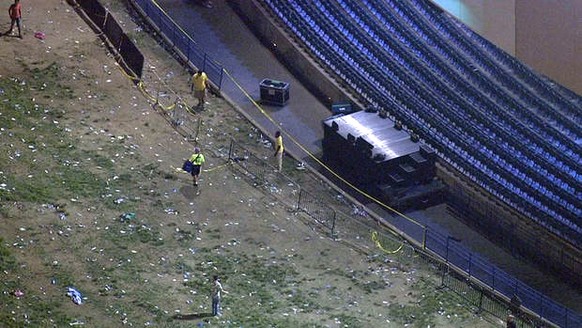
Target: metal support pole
230, 157
299, 199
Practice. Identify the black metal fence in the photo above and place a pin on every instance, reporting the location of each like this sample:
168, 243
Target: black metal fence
477, 294
471, 265
132, 59
319, 211
282, 187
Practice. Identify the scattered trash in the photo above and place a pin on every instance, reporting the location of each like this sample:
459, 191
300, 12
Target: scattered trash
240, 159
18, 293
76, 323
171, 211
75, 295
119, 200
300, 166
127, 216
356, 210
274, 190
39, 35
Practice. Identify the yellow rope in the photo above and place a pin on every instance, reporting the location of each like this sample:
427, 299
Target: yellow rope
150, 97
379, 244
179, 169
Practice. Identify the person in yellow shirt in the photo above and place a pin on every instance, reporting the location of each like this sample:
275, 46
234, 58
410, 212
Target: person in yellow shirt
197, 160
199, 86
279, 149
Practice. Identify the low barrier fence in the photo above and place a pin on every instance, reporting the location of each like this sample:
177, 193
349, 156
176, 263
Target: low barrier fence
132, 58
493, 279
284, 188
316, 209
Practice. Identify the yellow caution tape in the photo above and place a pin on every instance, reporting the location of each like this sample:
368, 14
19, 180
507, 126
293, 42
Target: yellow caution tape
379, 244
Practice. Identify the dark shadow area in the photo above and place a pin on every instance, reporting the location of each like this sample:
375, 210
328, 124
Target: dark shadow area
189, 192
193, 316
6, 34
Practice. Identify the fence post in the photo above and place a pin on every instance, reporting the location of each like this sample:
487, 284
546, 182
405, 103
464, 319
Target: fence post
188, 53
105, 21
198, 129
230, 157
220, 80
263, 173
445, 269
299, 199
480, 306
333, 236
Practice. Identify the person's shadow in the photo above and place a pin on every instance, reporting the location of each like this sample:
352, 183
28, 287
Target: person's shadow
190, 192
193, 316
6, 34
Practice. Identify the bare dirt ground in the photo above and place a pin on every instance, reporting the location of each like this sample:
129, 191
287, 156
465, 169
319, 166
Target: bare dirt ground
83, 146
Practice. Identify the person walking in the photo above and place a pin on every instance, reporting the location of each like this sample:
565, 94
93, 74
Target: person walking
279, 149
197, 160
15, 12
217, 291
199, 86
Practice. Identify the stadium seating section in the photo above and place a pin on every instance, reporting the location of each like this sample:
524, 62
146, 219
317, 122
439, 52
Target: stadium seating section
507, 128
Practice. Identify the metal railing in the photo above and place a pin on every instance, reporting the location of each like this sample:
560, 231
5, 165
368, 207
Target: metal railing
179, 40
283, 187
